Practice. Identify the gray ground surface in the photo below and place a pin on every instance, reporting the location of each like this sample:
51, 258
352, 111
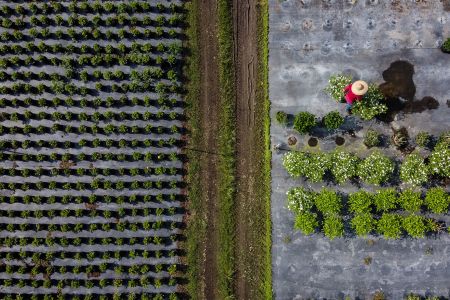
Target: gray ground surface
309, 41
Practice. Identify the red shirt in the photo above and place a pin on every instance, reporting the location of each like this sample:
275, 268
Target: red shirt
349, 96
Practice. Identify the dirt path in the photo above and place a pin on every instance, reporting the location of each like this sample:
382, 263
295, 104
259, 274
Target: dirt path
246, 57
209, 106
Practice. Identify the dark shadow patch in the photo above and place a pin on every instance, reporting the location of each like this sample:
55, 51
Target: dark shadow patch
339, 140
448, 102
399, 91
426, 103
399, 81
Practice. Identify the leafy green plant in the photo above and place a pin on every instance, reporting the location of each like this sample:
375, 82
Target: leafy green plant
344, 166
371, 105
328, 202
410, 200
446, 46
423, 139
336, 85
333, 120
389, 225
399, 139
306, 222
371, 138
414, 225
282, 117
333, 227
304, 122
360, 202
385, 199
300, 200
363, 224
376, 168
439, 162
414, 170
437, 200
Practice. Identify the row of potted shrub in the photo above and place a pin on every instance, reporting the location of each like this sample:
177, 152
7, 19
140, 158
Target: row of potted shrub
382, 212
374, 169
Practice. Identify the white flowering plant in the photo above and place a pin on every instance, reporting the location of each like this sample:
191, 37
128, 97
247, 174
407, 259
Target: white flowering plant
336, 85
317, 164
300, 199
343, 166
439, 162
371, 105
376, 168
295, 163
414, 170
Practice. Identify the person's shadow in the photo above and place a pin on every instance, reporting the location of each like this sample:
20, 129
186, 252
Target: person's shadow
399, 90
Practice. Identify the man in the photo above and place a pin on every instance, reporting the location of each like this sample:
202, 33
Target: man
354, 92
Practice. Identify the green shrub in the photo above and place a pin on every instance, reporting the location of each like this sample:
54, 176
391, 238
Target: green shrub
328, 202
295, 162
385, 199
376, 168
371, 138
300, 199
363, 224
343, 166
413, 297
440, 162
304, 121
371, 104
360, 202
306, 222
414, 225
389, 225
414, 170
282, 118
333, 227
443, 141
410, 200
446, 46
423, 139
336, 85
437, 200
317, 164
332, 120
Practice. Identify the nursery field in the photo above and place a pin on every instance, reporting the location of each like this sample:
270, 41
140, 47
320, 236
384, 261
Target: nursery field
360, 202
91, 131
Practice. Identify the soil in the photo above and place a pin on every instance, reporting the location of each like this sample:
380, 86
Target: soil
245, 13
312, 142
339, 140
292, 141
209, 115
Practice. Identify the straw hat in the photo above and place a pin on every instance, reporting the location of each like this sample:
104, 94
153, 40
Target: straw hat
359, 87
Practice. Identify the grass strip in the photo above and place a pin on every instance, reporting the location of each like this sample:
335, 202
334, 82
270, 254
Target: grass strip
227, 151
196, 225
263, 135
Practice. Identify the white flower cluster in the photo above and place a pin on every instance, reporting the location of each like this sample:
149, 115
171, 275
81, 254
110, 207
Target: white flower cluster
316, 166
414, 170
376, 168
295, 163
344, 166
440, 162
336, 85
299, 200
